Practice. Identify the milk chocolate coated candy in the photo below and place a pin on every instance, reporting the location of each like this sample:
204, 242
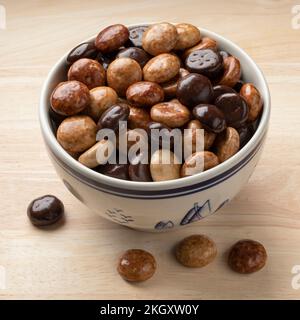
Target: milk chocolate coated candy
196, 251
111, 38
211, 117
247, 256
136, 265
194, 89
160, 38
207, 62
234, 108
69, 98
122, 73
77, 133
88, 71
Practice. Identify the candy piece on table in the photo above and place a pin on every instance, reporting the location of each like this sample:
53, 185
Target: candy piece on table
196, 251
136, 265
247, 256
45, 211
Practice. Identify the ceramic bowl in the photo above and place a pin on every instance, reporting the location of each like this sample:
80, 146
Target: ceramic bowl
159, 206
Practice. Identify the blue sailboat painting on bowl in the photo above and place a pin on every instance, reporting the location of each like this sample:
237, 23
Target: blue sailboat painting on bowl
197, 213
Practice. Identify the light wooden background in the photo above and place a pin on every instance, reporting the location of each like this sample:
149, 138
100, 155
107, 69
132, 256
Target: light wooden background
78, 258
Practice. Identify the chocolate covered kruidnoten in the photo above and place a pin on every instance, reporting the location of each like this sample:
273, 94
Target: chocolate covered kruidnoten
161, 95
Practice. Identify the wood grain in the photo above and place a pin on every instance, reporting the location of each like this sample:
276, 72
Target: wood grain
77, 259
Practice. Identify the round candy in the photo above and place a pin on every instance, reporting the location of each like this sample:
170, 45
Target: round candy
194, 89
247, 256
207, 62
221, 89
122, 73
137, 54
45, 210
234, 108
136, 265
88, 71
83, 50
196, 251
211, 117
111, 117
160, 38
69, 98
111, 38
77, 133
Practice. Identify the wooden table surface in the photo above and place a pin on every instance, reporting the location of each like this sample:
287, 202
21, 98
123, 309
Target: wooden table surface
77, 258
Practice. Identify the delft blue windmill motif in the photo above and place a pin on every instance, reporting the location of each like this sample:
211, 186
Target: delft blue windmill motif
196, 213
118, 215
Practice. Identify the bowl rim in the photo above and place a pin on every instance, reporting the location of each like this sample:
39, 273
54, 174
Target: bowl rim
58, 151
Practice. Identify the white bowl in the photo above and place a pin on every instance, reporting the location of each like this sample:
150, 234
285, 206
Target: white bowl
159, 206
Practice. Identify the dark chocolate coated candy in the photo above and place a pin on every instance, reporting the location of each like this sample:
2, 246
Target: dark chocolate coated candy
207, 62
210, 117
137, 54
83, 50
45, 210
119, 171
234, 107
140, 172
238, 85
246, 132
194, 89
221, 89
111, 117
